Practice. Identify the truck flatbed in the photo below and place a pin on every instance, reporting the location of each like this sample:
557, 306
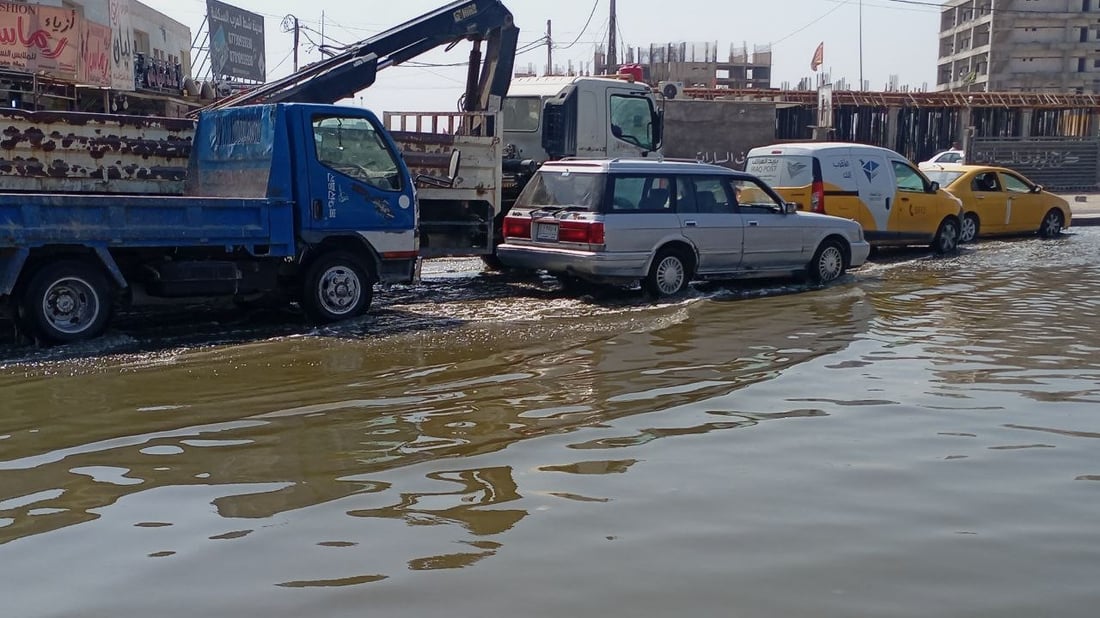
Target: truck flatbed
120, 221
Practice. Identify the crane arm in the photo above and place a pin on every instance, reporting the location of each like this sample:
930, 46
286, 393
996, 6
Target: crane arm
355, 68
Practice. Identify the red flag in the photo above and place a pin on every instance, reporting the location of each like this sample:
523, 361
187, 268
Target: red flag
819, 56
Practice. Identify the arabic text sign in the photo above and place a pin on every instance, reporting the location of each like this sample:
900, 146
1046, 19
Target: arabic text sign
37, 38
122, 41
95, 68
236, 42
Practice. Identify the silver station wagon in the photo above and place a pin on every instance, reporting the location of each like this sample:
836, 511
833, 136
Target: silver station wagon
667, 223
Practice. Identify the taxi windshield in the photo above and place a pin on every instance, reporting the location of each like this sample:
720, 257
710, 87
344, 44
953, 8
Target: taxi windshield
943, 177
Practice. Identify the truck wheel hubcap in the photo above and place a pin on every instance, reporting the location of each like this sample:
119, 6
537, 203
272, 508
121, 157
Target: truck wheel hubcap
339, 290
70, 305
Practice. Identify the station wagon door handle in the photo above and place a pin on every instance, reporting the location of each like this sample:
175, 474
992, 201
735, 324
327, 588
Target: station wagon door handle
754, 223
691, 223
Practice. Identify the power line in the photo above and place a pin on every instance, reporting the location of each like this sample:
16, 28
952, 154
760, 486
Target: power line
595, 5
819, 18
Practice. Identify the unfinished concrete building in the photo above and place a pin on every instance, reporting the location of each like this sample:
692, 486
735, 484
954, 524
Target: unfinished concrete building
698, 64
1020, 46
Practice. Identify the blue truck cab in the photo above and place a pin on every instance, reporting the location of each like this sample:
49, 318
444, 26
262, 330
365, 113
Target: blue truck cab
312, 203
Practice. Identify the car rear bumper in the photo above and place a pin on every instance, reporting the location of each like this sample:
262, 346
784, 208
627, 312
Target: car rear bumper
589, 264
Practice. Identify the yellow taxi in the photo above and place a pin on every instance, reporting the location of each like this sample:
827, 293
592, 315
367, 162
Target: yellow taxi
998, 201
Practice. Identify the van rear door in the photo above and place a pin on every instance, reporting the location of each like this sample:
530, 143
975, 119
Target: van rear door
791, 175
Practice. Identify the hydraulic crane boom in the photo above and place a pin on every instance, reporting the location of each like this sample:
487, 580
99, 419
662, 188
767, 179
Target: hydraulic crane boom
354, 69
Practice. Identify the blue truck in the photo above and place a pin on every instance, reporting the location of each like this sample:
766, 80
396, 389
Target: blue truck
311, 201
284, 194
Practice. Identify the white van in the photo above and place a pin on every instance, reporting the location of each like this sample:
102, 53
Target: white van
893, 201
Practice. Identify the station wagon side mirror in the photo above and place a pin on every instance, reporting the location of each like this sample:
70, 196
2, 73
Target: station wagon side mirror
789, 208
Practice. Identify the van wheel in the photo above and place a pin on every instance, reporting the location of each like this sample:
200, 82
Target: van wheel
1052, 224
337, 287
968, 232
947, 237
67, 301
669, 274
828, 262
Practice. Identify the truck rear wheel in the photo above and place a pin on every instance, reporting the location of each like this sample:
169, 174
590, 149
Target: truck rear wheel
337, 287
66, 301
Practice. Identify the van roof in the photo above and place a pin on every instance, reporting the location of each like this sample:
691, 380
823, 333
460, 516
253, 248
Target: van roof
814, 148
638, 166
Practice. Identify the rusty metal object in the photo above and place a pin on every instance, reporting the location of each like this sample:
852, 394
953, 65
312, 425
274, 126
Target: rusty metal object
93, 153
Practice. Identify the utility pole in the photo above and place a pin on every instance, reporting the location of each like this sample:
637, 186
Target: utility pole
549, 51
860, 45
612, 44
296, 29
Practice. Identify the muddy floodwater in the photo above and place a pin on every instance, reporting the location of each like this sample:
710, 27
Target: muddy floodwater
920, 438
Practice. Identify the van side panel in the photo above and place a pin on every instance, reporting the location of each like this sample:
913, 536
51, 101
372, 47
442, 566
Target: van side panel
876, 188
842, 197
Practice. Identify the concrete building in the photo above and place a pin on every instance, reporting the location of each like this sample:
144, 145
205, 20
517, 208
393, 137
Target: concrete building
698, 64
110, 56
1020, 46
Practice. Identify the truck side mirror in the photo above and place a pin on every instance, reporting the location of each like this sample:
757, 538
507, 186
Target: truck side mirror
658, 127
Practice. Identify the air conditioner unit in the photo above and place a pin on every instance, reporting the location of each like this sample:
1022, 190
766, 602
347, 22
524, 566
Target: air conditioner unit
671, 90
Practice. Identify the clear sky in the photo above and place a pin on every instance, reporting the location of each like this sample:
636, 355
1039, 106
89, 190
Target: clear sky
899, 37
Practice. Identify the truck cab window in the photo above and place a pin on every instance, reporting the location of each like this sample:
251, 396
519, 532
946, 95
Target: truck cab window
632, 120
522, 113
354, 147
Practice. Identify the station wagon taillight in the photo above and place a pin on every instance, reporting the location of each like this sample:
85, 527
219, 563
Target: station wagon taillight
587, 232
517, 227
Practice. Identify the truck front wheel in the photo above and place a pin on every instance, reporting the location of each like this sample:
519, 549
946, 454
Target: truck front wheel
67, 301
337, 287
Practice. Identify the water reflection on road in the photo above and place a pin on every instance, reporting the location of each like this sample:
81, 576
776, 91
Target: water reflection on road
509, 442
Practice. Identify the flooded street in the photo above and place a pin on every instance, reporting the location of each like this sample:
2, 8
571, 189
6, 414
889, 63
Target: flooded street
918, 439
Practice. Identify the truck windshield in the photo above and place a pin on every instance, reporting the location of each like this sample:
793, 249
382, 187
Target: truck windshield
563, 190
522, 113
353, 147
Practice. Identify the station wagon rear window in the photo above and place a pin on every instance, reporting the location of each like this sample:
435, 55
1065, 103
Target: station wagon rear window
782, 170
563, 189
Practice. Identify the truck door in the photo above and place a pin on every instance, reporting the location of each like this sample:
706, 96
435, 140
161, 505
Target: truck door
632, 129
356, 182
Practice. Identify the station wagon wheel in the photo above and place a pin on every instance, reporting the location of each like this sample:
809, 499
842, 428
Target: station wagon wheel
1052, 224
669, 274
66, 301
969, 230
337, 286
828, 262
947, 237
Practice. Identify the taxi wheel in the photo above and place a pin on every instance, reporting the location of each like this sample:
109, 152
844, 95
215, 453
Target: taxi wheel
828, 262
669, 274
1052, 224
947, 237
968, 232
